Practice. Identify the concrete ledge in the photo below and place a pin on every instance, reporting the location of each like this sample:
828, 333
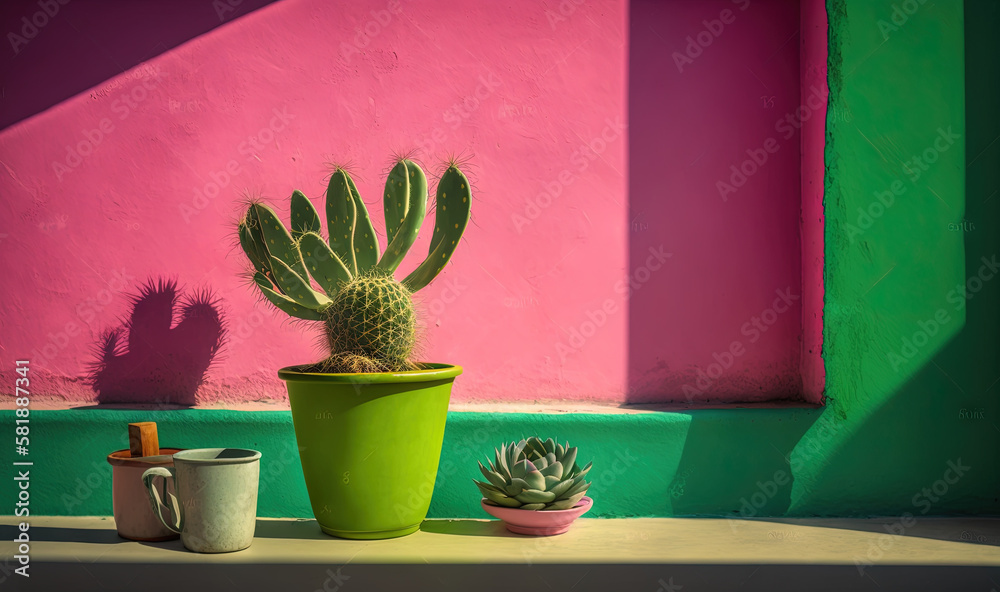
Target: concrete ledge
623, 554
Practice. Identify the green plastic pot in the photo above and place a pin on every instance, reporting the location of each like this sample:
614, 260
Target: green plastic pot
370, 446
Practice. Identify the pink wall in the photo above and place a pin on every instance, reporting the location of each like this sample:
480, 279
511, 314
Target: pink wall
519, 85
812, 68
533, 304
715, 176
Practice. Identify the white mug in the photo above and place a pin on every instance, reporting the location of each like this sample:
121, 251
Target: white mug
215, 509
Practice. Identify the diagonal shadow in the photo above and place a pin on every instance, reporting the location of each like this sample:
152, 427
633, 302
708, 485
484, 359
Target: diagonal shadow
949, 407
50, 56
930, 448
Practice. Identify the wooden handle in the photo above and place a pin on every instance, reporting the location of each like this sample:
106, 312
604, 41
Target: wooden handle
142, 439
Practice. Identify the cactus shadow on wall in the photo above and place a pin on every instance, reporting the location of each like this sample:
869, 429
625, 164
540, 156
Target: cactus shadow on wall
162, 350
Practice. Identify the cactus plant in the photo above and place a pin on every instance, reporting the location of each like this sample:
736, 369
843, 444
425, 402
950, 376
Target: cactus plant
534, 475
368, 316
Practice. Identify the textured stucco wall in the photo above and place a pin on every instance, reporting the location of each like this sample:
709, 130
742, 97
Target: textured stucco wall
909, 359
141, 177
718, 98
553, 294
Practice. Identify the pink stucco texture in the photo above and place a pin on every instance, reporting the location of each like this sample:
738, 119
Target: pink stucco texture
141, 177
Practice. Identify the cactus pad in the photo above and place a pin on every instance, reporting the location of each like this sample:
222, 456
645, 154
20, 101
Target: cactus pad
367, 315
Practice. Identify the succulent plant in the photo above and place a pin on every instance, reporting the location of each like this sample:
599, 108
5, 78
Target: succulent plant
345, 281
534, 475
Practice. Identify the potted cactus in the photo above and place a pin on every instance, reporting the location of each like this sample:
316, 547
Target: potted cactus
369, 420
535, 487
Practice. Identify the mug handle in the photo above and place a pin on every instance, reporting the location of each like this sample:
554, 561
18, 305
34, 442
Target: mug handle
154, 496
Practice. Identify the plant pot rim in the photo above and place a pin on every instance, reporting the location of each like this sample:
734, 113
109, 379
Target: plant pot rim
429, 373
585, 502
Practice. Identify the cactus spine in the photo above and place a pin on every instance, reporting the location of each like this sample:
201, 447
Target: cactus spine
368, 316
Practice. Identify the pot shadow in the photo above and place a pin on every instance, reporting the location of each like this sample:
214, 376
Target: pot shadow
150, 359
307, 528
304, 528
468, 527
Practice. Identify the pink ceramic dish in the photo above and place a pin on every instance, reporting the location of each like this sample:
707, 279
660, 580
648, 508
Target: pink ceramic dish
538, 522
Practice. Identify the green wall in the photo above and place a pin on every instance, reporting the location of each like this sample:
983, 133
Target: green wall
895, 417
657, 464
897, 410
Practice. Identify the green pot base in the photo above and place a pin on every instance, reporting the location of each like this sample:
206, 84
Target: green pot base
370, 534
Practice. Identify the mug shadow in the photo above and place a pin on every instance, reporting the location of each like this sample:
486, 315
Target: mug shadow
99, 536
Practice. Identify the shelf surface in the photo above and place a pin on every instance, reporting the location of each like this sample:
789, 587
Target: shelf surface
611, 554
